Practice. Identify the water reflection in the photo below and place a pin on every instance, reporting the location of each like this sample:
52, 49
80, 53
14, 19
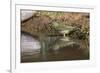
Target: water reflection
29, 45
47, 48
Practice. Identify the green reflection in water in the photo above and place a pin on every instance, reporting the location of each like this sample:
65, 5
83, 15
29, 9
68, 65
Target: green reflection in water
53, 48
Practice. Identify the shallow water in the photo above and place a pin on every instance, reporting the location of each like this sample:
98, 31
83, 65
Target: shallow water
52, 49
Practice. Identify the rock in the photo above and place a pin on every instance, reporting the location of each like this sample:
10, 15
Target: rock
39, 25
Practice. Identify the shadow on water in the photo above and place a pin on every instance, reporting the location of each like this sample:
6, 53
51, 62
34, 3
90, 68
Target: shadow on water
55, 48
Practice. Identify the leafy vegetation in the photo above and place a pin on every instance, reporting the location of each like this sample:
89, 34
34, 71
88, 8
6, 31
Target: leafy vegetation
49, 23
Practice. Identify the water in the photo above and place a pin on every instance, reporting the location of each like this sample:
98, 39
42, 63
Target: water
55, 48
